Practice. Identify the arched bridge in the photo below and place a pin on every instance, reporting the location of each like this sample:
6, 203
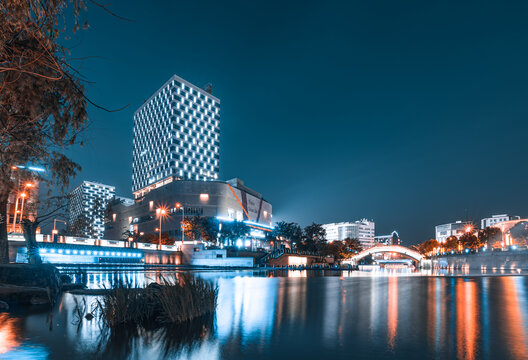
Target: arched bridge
383, 249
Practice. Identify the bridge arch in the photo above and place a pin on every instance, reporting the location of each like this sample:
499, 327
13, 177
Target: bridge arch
382, 249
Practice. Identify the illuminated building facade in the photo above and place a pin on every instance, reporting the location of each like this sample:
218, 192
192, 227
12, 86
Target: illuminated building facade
86, 207
363, 230
495, 219
458, 228
176, 137
390, 239
225, 200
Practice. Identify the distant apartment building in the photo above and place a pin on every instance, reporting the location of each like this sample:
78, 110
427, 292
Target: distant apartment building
363, 230
176, 137
442, 232
495, 219
390, 239
86, 208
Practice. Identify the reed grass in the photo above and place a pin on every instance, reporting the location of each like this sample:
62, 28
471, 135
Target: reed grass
171, 302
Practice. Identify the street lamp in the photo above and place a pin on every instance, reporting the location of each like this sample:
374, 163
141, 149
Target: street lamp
22, 195
55, 231
179, 206
161, 213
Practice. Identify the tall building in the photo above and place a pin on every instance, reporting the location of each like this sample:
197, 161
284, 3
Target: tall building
458, 228
363, 230
495, 219
176, 137
390, 239
86, 208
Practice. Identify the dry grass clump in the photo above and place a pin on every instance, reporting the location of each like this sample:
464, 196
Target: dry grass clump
171, 302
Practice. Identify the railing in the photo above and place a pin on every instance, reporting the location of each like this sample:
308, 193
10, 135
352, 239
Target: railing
71, 240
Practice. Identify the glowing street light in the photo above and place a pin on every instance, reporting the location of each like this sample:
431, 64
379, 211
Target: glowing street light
161, 214
179, 206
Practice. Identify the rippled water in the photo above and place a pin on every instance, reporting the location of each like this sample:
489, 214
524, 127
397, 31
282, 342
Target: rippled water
298, 314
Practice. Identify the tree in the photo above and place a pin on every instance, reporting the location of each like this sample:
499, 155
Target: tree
290, 232
338, 250
166, 239
42, 102
451, 243
353, 245
314, 238
192, 228
490, 236
232, 231
209, 229
428, 246
469, 240
52, 207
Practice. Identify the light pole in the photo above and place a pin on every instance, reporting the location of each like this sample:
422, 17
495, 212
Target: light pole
161, 212
23, 195
55, 231
178, 206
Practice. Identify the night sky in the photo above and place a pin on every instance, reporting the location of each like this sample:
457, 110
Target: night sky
410, 113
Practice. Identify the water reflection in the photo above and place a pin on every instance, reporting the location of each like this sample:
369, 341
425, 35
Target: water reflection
283, 315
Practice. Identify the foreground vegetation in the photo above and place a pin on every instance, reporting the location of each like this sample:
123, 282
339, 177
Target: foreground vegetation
171, 302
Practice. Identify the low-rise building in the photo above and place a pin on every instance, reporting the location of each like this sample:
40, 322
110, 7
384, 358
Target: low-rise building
442, 232
225, 200
495, 219
390, 239
363, 230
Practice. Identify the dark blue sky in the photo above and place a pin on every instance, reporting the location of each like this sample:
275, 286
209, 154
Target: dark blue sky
410, 113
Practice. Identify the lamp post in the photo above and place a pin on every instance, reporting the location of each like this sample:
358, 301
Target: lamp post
178, 206
55, 231
161, 212
22, 195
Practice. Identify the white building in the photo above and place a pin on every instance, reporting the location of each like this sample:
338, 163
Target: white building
86, 208
176, 136
391, 239
363, 230
442, 232
495, 219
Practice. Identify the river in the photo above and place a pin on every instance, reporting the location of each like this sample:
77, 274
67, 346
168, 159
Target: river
300, 314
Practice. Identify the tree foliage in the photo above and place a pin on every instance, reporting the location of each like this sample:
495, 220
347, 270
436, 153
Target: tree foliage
232, 231
290, 232
470, 241
427, 247
353, 245
42, 102
314, 239
490, 236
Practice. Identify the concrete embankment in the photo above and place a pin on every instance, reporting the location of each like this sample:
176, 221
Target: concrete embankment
509, 260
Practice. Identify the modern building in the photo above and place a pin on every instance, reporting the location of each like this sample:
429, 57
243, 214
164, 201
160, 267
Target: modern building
458, 228
86, 208
176, 137
391, 239
495, 219
363, 230
225, 200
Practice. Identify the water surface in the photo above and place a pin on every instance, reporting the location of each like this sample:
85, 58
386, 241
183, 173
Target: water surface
301, 314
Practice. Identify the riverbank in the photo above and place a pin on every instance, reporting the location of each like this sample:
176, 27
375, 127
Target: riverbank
486, 261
